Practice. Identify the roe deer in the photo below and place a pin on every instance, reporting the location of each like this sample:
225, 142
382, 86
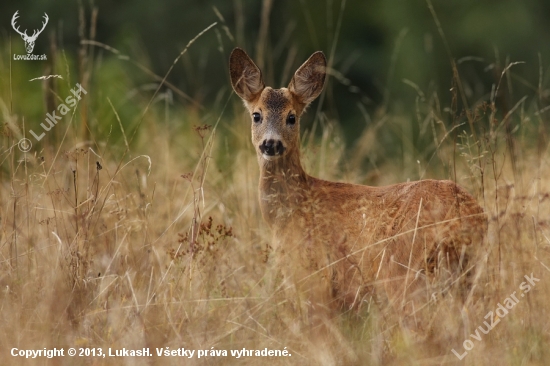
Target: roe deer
348, 237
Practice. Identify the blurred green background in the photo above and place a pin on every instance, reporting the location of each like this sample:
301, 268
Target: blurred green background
385, 53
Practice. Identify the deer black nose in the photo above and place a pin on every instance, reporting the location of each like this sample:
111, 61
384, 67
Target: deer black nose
272, 147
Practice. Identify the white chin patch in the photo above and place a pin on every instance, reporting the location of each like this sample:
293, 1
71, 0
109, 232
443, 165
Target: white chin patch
270, 157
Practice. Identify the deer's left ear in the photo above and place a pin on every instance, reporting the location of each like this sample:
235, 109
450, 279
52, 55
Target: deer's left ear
246, 77
309, 79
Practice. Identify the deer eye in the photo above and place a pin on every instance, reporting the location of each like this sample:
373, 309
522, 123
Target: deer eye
256, 116
291, 119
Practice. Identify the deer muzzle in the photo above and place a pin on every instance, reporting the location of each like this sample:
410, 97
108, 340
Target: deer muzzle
272, 147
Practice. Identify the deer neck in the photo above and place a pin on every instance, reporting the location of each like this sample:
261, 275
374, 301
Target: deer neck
284, 185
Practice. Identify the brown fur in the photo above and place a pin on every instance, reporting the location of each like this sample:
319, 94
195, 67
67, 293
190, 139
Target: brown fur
339, 241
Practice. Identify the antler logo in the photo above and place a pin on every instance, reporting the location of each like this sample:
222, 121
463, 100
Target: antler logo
29, 40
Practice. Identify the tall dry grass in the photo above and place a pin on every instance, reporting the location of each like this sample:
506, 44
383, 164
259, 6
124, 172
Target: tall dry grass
150, 235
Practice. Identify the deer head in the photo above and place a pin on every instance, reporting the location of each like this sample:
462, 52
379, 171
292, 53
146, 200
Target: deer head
275, 113
29, 40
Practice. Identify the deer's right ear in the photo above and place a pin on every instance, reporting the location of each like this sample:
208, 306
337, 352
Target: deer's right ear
309, 79
246, 77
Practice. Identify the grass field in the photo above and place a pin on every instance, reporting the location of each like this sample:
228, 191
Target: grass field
135, 221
